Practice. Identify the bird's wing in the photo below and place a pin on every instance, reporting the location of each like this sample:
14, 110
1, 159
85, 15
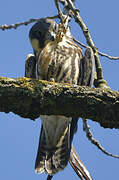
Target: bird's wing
87, 68
30, 66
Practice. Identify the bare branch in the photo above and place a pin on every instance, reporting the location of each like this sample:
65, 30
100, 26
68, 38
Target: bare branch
78, 166
15, 26
100, 53
30, 98
109, 57
59, 11
80, 43
89, 135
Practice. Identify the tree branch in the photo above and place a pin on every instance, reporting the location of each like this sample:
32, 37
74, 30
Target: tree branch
16, 25
100, 53
30, 98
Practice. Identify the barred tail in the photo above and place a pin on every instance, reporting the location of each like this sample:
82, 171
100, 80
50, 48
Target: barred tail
52, 160
53, 156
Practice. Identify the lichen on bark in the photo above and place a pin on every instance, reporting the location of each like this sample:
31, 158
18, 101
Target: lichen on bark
30, 98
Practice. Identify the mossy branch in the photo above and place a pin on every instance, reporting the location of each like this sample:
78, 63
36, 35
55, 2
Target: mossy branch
30, 98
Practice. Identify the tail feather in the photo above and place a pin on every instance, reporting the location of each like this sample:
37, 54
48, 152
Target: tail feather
55, 143
40, 159
52, 160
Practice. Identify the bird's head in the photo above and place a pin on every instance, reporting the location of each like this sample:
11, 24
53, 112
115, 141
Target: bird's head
41, 33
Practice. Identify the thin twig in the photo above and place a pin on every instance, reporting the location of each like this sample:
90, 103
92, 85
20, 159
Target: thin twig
15, 26
100, 53
78, 165
59, 10
107, 56
89, 135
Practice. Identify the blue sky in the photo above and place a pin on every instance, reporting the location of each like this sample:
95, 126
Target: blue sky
19, 137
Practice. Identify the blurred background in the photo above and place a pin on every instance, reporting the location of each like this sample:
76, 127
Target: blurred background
19, 137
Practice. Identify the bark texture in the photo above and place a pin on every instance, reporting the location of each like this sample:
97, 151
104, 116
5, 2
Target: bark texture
30, 98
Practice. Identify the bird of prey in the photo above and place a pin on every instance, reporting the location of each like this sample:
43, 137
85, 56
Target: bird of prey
57, 57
